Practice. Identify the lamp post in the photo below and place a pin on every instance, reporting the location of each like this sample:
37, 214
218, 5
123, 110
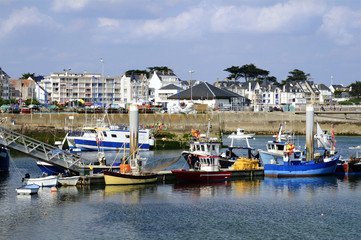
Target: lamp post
190, 83
102, 61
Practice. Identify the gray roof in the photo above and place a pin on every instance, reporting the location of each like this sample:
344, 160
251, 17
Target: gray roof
169, 87
323, 87
205, 90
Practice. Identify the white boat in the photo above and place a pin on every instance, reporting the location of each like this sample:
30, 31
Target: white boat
107, 139
68, 181
28, 189
48, 181
241, 134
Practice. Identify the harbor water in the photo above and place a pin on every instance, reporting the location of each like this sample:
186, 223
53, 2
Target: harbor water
257, 208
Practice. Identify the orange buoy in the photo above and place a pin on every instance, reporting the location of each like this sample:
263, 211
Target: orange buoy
53, 189
44, 213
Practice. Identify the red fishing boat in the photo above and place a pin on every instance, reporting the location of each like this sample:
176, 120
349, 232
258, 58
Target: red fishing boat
206, 169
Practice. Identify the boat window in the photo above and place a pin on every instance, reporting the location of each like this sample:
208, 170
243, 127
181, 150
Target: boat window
202, 148
198, 147
104, 133
114, 135
280, 147
127, 136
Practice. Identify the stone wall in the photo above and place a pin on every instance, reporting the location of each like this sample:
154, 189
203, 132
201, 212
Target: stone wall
258, 122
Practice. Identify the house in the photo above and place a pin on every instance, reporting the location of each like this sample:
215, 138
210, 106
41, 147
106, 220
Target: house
163, 93
24, 88
134, 88
214, 97
162, 79
325, 94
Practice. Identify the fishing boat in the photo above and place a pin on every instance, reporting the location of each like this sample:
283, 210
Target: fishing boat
47, 181
228, 158
68, 181
133, 173
296, 166
91, 139
351, 166
206, 169
28, 189
4, 159
275, 149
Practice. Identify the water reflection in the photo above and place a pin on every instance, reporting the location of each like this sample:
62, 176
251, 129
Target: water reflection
130, 193
202, 189
353, 181
246, 187
295, 184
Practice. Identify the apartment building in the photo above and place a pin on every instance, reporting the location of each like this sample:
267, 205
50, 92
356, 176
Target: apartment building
91, 87
5, 92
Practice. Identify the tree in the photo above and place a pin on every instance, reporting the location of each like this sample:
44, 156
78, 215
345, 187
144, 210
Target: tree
249, 72
27, 75
160, 69
296, 75
137, 72
356, 89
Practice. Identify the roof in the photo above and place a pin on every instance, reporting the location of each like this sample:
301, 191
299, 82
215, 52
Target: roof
323, 87
205, 90
169, 87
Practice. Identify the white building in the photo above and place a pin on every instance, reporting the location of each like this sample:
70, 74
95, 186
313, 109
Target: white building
90, 87
133, 89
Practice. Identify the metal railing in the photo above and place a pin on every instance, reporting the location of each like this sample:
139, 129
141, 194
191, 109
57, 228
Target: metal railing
41, 151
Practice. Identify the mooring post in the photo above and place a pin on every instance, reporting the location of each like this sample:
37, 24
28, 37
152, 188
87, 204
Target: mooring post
309, 132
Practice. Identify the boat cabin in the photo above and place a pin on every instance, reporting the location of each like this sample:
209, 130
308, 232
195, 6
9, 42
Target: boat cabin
276, 147
209, 163
205, 148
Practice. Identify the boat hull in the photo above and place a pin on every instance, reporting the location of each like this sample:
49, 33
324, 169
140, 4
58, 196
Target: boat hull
308, 169
68, 181
115, 178
348, 169
4, 159
201, 176
91, 145
48, 181
28, 189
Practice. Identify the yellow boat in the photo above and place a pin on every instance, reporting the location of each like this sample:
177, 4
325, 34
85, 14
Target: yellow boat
116, 178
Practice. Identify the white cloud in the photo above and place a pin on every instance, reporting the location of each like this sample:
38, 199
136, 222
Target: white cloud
25, 17
282, 17
67, 5
341, 24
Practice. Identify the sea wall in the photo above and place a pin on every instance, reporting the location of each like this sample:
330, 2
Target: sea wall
258, 122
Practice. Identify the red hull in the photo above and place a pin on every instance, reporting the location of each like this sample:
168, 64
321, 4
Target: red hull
201, 176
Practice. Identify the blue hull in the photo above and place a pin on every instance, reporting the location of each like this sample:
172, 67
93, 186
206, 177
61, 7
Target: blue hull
106, 146
306, 169
4, 159
51, 170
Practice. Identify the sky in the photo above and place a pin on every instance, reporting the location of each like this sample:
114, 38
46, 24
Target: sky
322, 38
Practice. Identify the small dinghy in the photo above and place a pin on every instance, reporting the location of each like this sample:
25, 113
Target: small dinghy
68, 181
45, 181
28, 189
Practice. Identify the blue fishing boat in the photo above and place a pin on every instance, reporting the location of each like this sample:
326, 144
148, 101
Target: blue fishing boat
294, 164
299, 168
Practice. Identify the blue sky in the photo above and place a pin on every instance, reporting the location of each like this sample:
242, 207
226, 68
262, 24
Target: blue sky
320, 37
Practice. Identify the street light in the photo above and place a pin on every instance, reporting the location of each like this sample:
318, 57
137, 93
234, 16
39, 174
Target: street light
190, 82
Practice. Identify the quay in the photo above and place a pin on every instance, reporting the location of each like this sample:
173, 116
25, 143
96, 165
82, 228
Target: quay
168, 176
